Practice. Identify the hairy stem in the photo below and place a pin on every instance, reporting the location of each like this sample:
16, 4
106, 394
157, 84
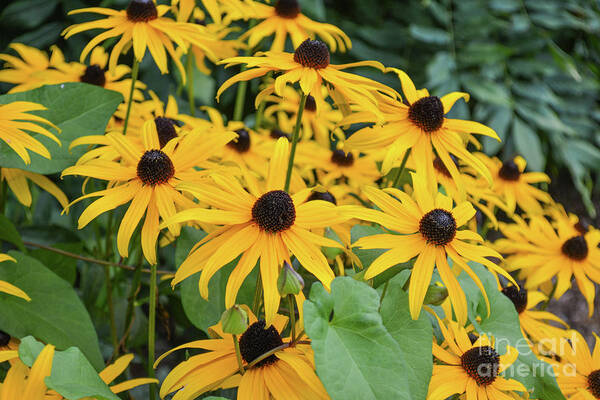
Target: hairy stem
288, 175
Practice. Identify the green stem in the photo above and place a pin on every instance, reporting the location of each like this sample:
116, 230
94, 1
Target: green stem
257, 295
292, 316
129, 313
134, 74
240, 98
151, 329
402, 165
111, 311
288, 175
385, 288
190, 83
238, 354
260, 114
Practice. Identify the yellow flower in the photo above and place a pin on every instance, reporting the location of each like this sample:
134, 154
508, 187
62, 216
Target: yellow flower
268, 224
287, 374
541, 252
514, 186
146, 176
309, 65
421, 126
429, 231
6, 287
471, 368
15, 120
17, 182
285, 18
143, 26
578, 373
36, 70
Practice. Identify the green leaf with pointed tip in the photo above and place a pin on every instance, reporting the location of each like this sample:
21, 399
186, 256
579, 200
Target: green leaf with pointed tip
9, 233
355, 356
55, 313
78, 109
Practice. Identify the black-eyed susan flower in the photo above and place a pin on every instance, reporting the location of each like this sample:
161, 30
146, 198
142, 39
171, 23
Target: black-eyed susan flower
16, 120
146, 175
9, 288
428, 227
55, 70
143, 26
473, 369
540, 252
17, 180
420, 125
285, 19
286, 374
578, 372
268, 224
309, 65
515, 187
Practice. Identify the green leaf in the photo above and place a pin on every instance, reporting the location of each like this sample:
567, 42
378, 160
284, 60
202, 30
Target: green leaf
355, 356
500, 122
503, 324
63, 266
413, 337
9, 233
487, 91
205, 313
428, 34
55, 313
528, 145
73, 377
27, 14
78, 109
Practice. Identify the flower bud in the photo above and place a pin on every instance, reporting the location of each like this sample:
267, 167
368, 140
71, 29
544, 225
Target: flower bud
234, 320
435, 295
289, 281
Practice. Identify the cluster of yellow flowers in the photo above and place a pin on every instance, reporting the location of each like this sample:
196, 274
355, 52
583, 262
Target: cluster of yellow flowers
267, 195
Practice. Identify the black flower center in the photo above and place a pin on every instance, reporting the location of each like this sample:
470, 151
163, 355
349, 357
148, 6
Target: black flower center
257, 341
575, 248
518, 296
509, 171
287, 8
582, 226
242, 143
311, 104
276, 134
141, 11
274, 211
312, 54
594, 383
427, 113
438, 227
325, 196
4, 338
93, 75
341, 158
482, 364
165, 129
155, 167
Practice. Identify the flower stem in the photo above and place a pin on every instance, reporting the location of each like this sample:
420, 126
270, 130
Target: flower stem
257, 295
240, 98
111, 311
238, 354
190, 83
134, 74
151, 329
402, 165
260, 114
385, 288
292, 316
288, 175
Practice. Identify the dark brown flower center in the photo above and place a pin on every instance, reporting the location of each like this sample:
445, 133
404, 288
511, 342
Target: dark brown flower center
287, 8
4, 338
594, 383
518, 296
165, 129
509, 171
575, 248
274, 211
155, 167
141, 11
276, 134
582, 226
93, 75
257, 341
242, 143
325, 196
341, 158
427, 113
438, 227
482, 364
312, 54
311, 104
